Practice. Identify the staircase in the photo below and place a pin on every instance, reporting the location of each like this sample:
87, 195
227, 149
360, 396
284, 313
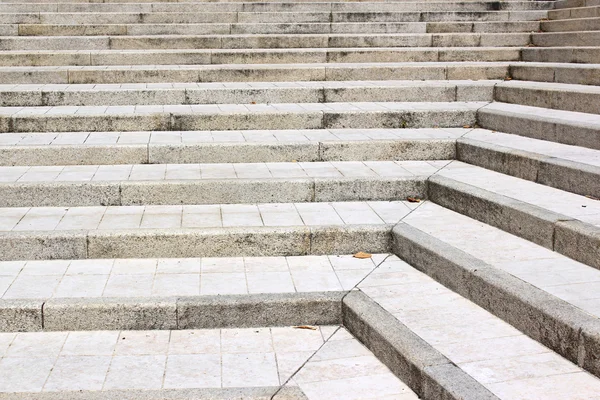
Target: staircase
188, 190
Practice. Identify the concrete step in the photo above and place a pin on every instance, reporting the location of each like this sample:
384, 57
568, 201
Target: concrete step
578, 24
246, 363
266, 28
272, 17
588, 55
559, 96
227, 230
256, 72
255, 41
545, 295
162, 184
246, 93
567, 127
261, 56
566, 39
196, 7
109, 148
581, 74
208, 292
564, 222
238, 117
578, 12
571, 168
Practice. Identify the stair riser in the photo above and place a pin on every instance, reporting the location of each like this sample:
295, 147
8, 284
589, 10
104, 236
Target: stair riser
239, 121
562, 55
592, 24
273, 7
567, 236
540, 128
576, 3
206, 312
566, 39
294, 28
555, 99
222, 242
380, 150
569, 74
561, 174
214, 191
429, 93
200, 57
586, 12
266, 42
556, 324
260, 73
273, 17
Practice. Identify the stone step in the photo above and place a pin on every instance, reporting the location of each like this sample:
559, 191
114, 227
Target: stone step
262, 56
589, 55
252, 363
109, 148
232, 230
238, 117
208, 292
258, 72
266, 28
566, 39
246, 93
559, 96
579, 24
198, 7
579, 12
545, 295
581, 74
162, 184
567, 127
571, 168
565, 222
273, 17
255, 41
575, 3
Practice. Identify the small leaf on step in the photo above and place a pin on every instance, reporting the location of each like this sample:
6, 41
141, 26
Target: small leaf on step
312, 328
362, 254
413, 199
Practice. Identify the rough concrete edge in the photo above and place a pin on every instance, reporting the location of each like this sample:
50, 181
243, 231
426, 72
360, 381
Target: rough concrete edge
424, 369
553, 322
265, 309
255, 393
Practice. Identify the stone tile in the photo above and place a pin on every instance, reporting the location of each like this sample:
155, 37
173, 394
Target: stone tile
252, 340
136, 372
270, 282
223, 283
129, 286
142, 343
193, 371
78, 373
176, 285
249, 370
549, 387
93, 343
24, 374
37, 344
200, 341
289, 339
81, 286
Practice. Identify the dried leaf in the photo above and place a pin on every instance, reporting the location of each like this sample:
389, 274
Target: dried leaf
252, 102
467, 126
312, 328
413, 199
508, 78
362, 254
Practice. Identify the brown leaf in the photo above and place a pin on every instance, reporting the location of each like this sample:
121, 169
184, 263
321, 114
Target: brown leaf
362, 254
508, 78
467, 126
413, 199
252, 102
312, 328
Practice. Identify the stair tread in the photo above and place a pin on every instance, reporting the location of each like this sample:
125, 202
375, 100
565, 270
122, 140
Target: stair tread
180, 360
168, 277
558, 116
97, 218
